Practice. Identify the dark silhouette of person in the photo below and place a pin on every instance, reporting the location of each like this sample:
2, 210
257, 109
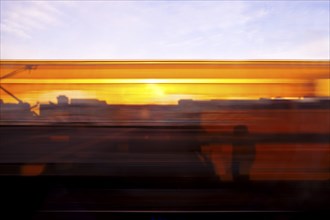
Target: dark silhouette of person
243, 154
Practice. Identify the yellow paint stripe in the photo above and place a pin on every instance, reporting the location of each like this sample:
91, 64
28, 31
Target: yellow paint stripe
153, 81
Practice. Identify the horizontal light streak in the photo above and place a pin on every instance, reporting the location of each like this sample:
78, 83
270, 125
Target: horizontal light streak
153, 81
160, 62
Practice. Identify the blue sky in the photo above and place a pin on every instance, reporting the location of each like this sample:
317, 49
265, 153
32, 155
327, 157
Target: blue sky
165, 30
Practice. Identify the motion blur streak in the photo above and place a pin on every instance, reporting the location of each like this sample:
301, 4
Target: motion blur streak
128, 82
176, 135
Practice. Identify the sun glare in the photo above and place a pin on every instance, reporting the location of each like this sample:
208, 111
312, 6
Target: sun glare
162, 82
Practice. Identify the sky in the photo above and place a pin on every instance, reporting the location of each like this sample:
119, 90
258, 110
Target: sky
207, 30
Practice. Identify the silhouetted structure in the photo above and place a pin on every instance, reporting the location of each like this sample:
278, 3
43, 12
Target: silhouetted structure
62, 100
13, 111
76, 110
243, 154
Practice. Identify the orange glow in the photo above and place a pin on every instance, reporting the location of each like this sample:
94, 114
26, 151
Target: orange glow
163, 82
274, 162
152, 81
323, 87
168, 69
32, 169
152, 93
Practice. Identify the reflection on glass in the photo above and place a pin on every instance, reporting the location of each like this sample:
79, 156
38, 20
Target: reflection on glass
247, 121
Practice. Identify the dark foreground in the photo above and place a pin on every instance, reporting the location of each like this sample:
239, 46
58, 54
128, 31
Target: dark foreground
168, 198
143, 173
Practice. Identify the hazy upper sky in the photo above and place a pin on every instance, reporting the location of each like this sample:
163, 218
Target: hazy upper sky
165, 29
